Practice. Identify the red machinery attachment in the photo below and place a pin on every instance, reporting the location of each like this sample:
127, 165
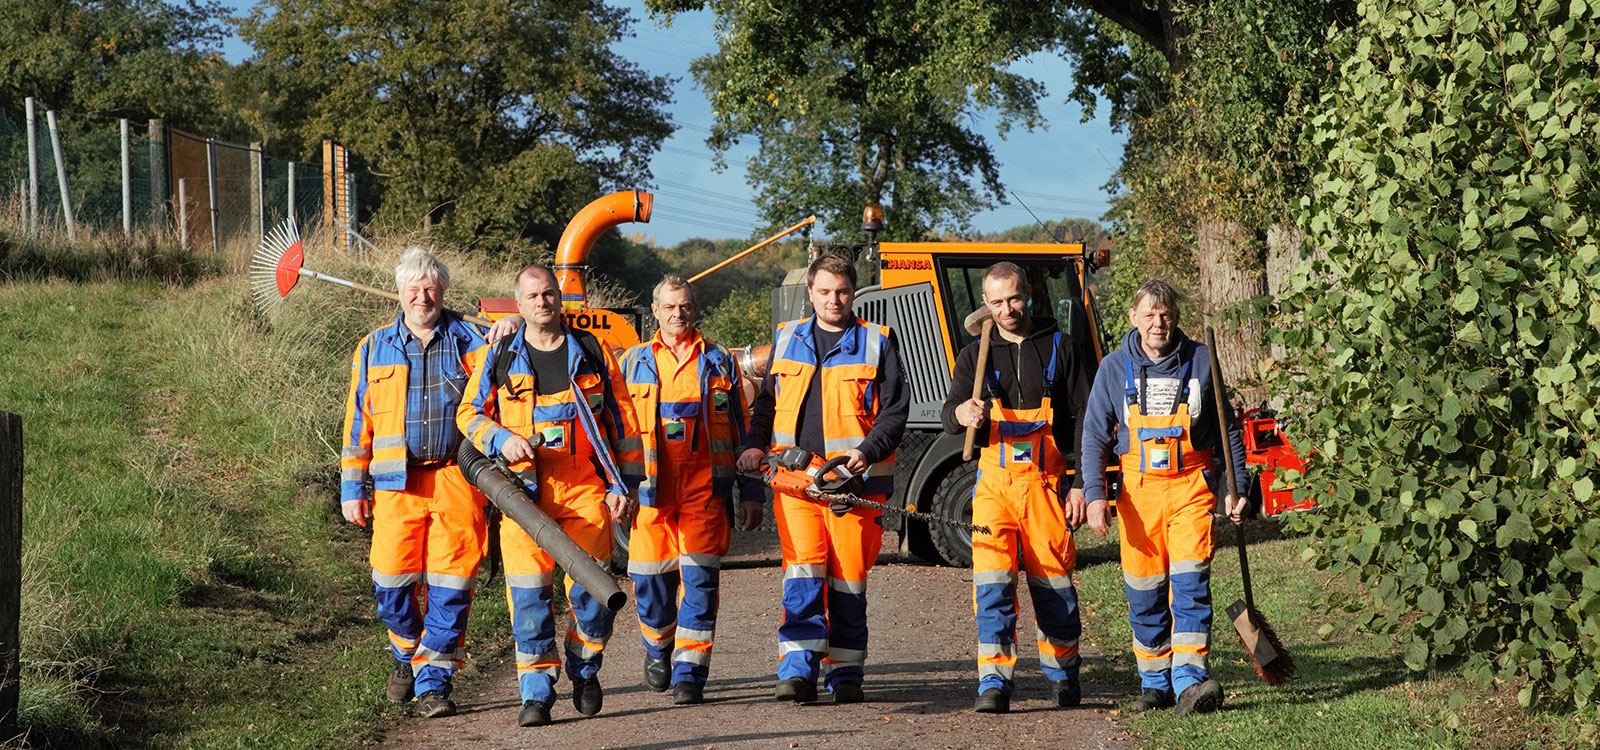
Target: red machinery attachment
1266, 446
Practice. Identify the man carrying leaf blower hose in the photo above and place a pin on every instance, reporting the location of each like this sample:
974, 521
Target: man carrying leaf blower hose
1148, 404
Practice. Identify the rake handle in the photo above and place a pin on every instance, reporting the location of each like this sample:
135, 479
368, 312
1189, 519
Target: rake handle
310, 274
1227, 455
977, 384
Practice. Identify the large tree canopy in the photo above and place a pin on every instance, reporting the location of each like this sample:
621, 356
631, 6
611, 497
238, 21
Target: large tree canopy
495, 119
856, 103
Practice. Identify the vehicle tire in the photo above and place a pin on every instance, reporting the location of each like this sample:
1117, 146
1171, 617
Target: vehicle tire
953, 499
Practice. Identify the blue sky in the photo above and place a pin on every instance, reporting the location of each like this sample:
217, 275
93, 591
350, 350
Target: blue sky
1058, 171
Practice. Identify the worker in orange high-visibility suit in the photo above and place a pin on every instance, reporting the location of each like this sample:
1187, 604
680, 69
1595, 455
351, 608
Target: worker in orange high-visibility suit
1148, 404
836, 388
398, 463
1038, 378
565, 387
687, 399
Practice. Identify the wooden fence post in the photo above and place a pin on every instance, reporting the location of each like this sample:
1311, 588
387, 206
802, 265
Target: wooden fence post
10, 570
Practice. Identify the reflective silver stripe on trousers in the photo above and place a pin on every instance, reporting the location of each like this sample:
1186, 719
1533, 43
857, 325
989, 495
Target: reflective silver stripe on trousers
1042, 637
395, 580
840, 445
353, 475
1189, 566
642, 568
579, 650
1153, 648
847, 655
983, 577
1003, 671
806, 570
439, 659
782, 439
385, 442
658, 642
1008, 650
575, 631
689, 634
531, 580
1058, 583
1147, 583
459, 583
700, 560
691, 656
1191, 639
848, 587
1157, 664
817, 645
1180, 659
1059, 662
390, 466
355, 451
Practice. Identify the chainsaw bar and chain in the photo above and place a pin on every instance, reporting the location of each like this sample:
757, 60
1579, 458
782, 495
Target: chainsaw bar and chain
849, 499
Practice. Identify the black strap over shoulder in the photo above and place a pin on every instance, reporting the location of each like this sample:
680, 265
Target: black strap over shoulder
588, 345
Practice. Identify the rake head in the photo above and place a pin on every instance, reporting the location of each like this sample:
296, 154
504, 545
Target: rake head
276, 266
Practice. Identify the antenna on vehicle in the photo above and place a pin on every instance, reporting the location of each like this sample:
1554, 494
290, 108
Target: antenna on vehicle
1042, 225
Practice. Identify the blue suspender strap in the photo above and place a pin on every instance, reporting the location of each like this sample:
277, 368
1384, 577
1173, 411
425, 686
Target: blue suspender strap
1050, 369
1131, 389
1186, 353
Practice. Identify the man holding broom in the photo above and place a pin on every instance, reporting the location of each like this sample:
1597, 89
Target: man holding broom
1148, 406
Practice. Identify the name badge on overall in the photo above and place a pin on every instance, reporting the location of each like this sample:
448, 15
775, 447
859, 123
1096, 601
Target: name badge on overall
719, 401
675, 430
1161, 455
555, 436
1022, 453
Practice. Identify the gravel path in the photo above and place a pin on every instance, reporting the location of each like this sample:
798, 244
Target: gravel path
921, 678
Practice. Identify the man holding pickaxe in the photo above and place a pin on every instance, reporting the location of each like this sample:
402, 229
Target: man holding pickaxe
1038, 386
427, 522
836, 388
1148, 408
687, 397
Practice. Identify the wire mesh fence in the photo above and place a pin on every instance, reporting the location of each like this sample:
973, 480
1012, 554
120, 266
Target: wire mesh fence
144, 178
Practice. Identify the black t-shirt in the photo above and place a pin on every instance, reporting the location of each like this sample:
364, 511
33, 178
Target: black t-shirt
549, 368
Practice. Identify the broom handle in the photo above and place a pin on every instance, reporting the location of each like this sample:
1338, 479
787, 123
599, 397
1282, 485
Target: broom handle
1227, 454
977, 383
310, 274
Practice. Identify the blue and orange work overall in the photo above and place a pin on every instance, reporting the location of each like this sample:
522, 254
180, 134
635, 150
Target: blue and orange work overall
1165, 518
691, 423
1019, 497
590, 447
427, 522
826, 557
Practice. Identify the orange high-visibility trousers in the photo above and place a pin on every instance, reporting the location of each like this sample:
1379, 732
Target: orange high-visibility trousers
681, 539
431, 532
574, 496
1025, 512
1166, 562
825, 563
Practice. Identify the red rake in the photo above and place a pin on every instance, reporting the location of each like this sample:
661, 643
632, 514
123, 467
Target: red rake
1261, 642
280, 262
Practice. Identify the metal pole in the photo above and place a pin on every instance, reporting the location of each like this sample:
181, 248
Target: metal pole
350, 206
211, 189
61, 172
127, 182
33, 168
292, 221
183, 213
160, 189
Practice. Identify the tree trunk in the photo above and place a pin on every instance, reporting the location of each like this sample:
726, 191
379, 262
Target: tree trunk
1231, 265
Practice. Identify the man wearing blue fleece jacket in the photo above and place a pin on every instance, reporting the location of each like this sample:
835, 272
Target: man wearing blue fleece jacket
1156, 386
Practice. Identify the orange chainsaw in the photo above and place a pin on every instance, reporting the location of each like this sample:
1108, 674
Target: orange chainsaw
800, 472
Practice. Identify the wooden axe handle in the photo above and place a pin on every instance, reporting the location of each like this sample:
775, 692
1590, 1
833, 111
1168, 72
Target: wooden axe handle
977, 384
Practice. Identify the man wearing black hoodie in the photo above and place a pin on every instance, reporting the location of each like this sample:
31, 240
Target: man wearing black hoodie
1149, 409
1029, 417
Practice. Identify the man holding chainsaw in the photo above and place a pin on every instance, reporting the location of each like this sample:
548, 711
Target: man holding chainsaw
1147, 407
835, 388
551, 402
687, 399
427, 522
1036, 386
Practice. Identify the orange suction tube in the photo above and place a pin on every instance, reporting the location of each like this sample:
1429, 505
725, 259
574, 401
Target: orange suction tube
572, 254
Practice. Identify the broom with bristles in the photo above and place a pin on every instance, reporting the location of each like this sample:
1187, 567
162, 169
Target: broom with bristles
1260, 641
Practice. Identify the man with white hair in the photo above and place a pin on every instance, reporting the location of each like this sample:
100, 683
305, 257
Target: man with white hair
398, 469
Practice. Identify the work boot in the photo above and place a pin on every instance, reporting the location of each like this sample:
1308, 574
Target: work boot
1203, 698
688, 693
434, 704
587, 696
402, 685
1067, 692
533, 714
993, 701
848, 692
797, 689
1150, 700
657, 673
